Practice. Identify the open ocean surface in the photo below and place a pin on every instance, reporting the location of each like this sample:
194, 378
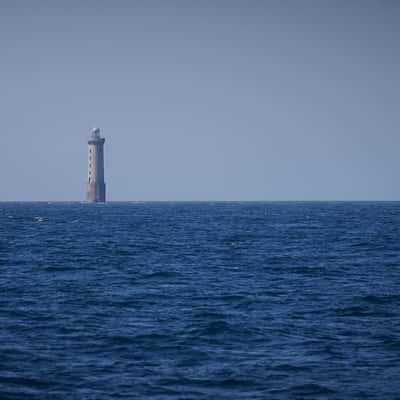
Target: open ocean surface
200, 301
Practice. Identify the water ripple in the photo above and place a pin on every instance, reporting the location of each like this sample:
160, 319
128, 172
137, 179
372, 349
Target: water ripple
199, 301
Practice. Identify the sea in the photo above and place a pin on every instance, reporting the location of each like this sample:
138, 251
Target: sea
207, 300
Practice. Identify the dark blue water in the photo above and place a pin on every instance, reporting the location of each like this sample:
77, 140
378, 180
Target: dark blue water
200, 301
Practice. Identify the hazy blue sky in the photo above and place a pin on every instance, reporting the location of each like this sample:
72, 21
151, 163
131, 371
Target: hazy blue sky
201, 100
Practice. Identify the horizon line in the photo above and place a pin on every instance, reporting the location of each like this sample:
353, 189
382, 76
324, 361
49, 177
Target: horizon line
204, 201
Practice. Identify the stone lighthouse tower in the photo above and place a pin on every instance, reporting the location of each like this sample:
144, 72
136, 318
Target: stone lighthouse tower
96, 188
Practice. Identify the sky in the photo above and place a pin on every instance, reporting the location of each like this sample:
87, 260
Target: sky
201, 100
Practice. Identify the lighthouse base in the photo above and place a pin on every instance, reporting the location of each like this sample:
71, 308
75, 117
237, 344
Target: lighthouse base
96, 192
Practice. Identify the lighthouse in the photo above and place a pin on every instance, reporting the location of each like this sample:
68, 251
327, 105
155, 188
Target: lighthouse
96, 188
